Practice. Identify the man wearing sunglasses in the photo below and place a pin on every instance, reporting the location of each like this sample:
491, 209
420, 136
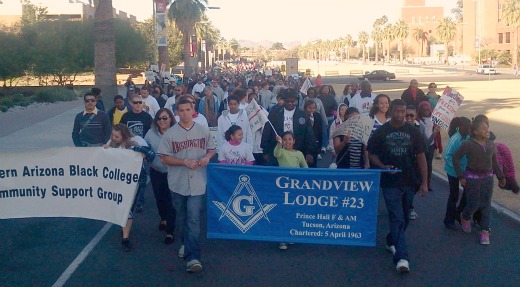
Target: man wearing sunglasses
91, 127
137, 120
177, 94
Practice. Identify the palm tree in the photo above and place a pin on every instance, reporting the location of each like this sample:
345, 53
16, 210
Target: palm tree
511, 16
234, 46
420, 36
186, 13
362, 41
388, 37
401, 30
446, 30
105, 49
377, 33
348, 43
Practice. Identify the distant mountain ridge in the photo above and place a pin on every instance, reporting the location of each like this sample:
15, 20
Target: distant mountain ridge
266, 44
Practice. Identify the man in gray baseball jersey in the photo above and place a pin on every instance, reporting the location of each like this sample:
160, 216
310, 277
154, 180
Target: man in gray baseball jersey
186, 148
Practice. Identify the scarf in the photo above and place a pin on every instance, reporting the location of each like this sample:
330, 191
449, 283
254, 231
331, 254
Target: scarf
209, 111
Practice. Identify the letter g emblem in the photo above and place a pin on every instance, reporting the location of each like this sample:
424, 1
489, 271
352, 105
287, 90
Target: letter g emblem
248, 209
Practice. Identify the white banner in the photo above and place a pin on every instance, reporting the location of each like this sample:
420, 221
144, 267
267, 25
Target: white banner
306, 85
446, 108
93, 183
257, 116
359, 127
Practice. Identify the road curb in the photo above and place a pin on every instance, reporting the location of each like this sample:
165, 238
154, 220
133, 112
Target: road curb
497, 206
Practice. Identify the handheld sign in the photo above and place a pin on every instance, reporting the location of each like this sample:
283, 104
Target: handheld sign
149, 75
359, 127
446, 107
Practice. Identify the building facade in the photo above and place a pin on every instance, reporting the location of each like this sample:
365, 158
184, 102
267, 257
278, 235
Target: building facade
418, 16
11, 11
484, 28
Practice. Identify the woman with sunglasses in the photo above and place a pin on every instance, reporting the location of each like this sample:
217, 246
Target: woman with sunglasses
163, 120
433, 99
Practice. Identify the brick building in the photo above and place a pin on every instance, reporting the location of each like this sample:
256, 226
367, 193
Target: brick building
418, 16
484, 28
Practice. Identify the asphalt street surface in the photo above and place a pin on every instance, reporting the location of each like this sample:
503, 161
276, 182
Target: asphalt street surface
37, 251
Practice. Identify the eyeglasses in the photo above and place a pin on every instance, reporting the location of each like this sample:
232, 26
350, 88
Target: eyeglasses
90, 100
138, 103
410, 115
165, 118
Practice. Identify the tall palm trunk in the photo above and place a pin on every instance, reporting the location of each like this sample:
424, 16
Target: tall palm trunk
401, 52
188, 62
105, 51
377, 53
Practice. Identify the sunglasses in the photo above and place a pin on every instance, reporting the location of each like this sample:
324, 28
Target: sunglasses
410, 115
90, 100
178, 90
165, 118
137, 103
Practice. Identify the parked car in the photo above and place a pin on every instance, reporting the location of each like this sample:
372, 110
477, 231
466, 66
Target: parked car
378, 75
486, 69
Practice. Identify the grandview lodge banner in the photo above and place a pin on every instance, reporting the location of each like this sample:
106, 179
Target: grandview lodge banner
93, 182
327, 206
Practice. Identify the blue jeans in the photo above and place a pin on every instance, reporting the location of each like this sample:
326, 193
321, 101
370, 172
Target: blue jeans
188, 213
479, 192
398, 201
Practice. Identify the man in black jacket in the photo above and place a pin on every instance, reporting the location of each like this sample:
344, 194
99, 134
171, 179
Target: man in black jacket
413, 96
288, 119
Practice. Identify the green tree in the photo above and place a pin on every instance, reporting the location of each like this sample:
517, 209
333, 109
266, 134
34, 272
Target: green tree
105, 50
186, 13
511, 16
13, 56
401, 30
446, 31
61, 50
131, 45
234, 46
32, 14
277, 46
362, 41
420, 36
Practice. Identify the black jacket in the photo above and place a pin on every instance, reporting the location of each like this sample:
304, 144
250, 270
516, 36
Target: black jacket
407, 97
305, 140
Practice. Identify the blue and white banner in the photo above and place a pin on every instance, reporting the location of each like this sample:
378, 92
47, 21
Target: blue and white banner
307, 205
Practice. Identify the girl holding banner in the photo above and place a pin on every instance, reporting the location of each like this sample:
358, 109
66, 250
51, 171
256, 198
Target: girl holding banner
122, 138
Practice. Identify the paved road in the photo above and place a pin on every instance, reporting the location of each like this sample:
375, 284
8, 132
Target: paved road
35, 252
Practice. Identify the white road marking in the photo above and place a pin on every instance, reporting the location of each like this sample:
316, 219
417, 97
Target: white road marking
81, 256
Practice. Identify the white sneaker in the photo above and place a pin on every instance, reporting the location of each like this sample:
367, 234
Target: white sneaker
402, 266
391, 248
282, 246
193, 266
319, 157
413, 214
323, 150
181, 251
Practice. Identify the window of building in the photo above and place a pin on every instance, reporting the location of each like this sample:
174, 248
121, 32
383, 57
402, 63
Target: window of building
434, 19
420, 19
427, 19
413, 19
508, 37
429, 31
500, 38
